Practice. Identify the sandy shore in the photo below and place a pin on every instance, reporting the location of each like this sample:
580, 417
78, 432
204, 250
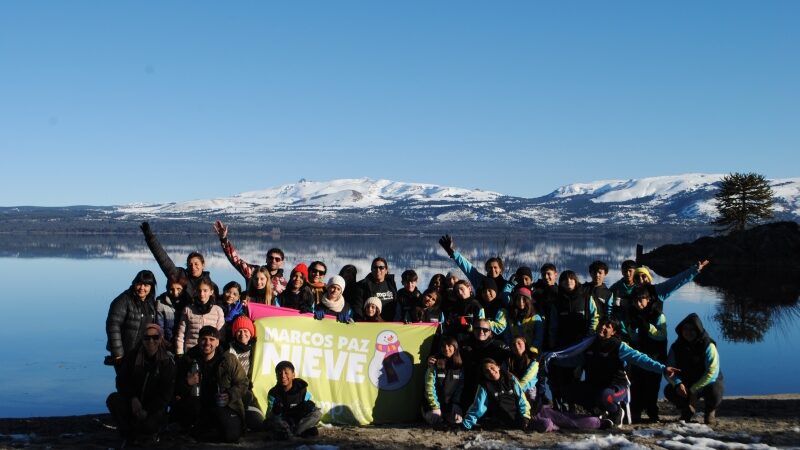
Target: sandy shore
755, 422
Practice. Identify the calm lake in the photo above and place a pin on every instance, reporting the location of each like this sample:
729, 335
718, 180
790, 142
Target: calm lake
58, 290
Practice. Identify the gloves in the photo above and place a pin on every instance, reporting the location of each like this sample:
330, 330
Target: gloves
523, 425
342, 317
145, 226
447, 244
319, 314
463, 321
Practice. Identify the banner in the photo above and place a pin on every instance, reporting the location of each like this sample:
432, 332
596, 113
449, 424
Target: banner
357, 374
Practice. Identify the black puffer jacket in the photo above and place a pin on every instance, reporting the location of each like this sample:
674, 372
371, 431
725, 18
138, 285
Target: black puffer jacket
127, 318
152, 380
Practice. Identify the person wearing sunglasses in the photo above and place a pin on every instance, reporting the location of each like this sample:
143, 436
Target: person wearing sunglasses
145, 384
129, 314
274, 261
481, 344
378, 283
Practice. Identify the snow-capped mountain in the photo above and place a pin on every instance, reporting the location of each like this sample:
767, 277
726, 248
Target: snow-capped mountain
669, 200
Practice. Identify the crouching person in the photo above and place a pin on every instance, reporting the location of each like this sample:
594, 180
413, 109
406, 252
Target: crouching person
290, 411
694, 353
499, 402
145, 383
210, 387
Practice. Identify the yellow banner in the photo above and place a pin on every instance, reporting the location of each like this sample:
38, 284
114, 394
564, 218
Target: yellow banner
360, 373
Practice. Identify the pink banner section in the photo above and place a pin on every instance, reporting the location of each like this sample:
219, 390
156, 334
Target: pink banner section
259, 310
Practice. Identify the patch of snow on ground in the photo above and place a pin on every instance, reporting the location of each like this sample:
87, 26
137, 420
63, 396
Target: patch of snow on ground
490, 444
594, 442
18, 438
703, 443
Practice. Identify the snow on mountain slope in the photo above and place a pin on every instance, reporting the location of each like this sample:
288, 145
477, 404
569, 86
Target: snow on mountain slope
617, 191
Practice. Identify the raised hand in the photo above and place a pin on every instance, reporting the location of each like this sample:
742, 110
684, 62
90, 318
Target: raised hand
221, 229
447, 244
701, 264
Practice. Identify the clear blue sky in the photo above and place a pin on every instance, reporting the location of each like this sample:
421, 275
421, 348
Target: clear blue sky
115, 102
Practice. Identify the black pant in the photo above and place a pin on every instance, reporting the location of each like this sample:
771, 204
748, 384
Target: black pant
128, 425
209, 423
290, 427
712, 394
644, 392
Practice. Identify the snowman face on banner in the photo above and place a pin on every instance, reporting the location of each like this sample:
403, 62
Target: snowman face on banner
391, 367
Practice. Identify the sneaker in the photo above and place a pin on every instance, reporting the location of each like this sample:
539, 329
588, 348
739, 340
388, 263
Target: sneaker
311, 432
711, 417
606, 423
687, 414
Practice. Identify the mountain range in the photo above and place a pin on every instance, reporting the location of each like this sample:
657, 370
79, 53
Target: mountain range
680, 200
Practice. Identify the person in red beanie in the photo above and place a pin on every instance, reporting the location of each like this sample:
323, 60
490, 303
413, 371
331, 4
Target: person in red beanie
243, 347
298, 294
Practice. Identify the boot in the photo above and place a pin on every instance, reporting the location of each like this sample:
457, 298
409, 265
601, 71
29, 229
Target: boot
710, 417
687, 413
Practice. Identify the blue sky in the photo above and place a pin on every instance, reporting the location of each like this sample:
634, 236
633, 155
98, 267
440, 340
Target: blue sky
115, 102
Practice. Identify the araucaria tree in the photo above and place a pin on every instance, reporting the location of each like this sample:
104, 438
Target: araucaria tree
743, 198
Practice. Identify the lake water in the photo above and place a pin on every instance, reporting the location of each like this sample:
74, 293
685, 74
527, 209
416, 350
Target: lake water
58, 289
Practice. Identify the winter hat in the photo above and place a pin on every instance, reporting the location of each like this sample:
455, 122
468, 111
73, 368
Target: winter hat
374, 301
302, 268
489, 283
337, 280
643, 271
452, 273
524, 292
209, 330
524, 270
243, 322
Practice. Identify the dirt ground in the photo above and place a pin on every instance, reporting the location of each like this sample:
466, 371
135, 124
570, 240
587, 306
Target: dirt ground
772, 420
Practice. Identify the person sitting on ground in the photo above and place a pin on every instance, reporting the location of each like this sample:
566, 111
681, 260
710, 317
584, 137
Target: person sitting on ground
493, 266
444, 382
195, 263
378, 283
464, 314
170, 306
242, 346
290, 409
407, 297
479, 345
372, 310
274, 261
210, 386
499, 401
605, 357
695, 354
333, 303
647, 328
298, 294
145, 383
200, 313
129, 314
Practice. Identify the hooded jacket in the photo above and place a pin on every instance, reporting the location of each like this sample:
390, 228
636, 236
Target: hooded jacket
697, 360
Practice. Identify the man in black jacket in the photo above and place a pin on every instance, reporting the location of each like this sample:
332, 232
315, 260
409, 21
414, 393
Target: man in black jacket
379, 283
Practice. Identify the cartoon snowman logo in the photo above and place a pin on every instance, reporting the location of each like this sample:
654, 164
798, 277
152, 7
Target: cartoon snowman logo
390, 368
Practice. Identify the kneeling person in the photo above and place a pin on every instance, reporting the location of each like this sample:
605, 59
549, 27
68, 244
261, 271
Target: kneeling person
290, 410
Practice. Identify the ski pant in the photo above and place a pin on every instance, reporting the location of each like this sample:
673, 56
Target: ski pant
712, 394
645, 386
548, 419
281, 424
128, 425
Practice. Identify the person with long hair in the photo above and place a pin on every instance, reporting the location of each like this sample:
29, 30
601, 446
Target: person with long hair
200, 313
298, 294
259, 288
499, 402
129, 314
444, 381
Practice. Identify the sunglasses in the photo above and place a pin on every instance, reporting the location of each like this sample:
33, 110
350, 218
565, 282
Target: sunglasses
321, 272
378, 267
274, 258
484, 330
151, 337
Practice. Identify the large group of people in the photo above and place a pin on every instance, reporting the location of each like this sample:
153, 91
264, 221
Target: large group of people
535, 354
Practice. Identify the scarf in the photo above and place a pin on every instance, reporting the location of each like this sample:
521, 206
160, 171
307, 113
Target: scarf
334, 305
